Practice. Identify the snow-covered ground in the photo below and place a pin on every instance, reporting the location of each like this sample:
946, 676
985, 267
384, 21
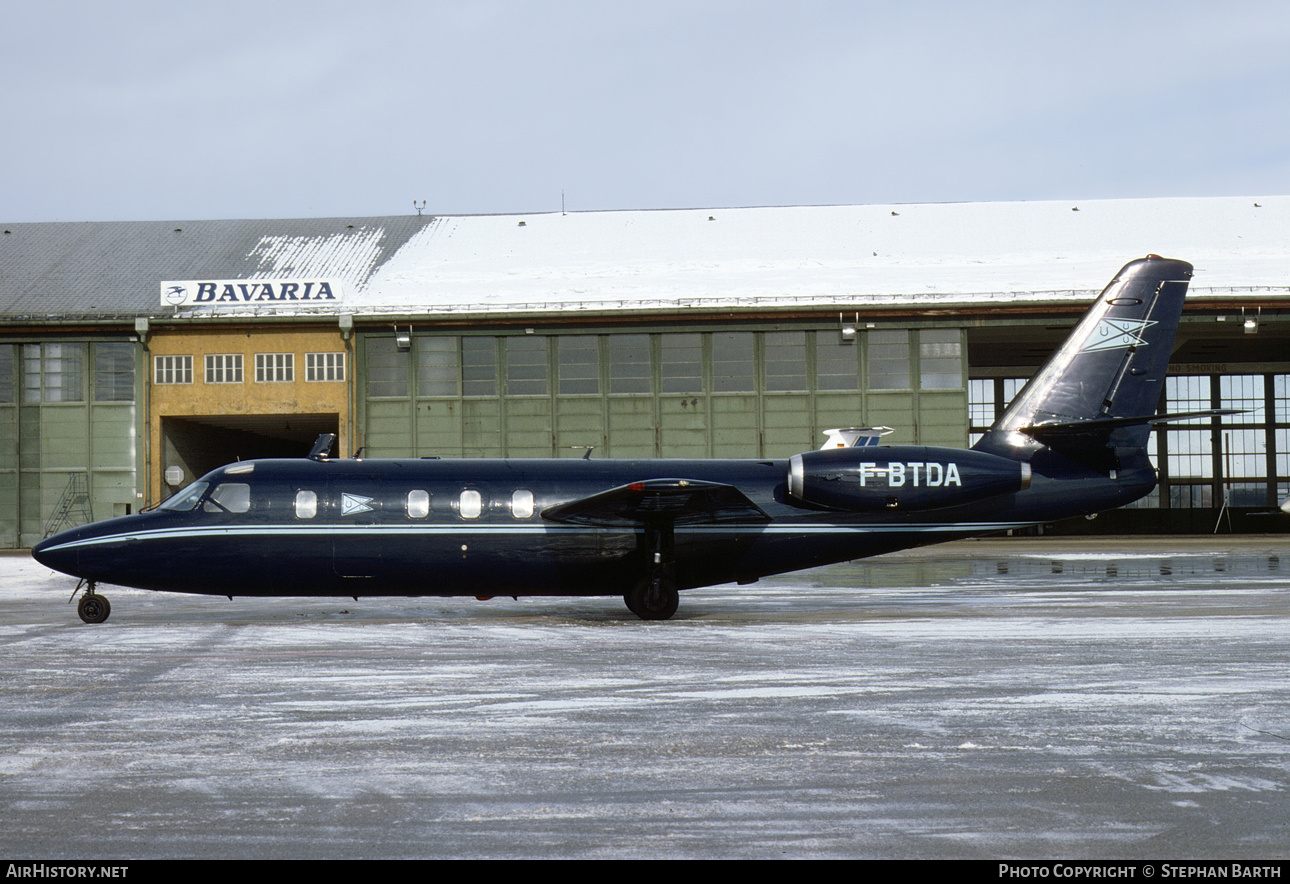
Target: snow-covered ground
975, 700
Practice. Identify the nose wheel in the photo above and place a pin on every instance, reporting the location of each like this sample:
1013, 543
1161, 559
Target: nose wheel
92, 608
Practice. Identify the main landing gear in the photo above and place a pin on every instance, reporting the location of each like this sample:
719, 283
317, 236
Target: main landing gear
92, 608
654, 596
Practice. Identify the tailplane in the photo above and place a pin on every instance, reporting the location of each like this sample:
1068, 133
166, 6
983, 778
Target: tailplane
1099, 392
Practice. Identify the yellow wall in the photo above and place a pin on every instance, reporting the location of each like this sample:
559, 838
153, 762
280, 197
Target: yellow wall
249, 397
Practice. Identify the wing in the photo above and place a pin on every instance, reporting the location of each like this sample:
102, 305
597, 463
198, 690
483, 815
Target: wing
660, 501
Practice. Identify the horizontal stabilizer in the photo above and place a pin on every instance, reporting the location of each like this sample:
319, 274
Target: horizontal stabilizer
660, 501
1048, 432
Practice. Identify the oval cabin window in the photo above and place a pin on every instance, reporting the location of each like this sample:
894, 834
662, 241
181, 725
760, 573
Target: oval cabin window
306, 504
418, 504
522, 504
471, 504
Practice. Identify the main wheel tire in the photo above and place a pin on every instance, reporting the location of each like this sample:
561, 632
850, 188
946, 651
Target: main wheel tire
93, 608
637, 599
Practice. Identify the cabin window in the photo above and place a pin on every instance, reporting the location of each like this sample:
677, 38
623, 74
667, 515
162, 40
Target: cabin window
230, 497
187, 499
418, 504
471, 504
306, 504
522, 504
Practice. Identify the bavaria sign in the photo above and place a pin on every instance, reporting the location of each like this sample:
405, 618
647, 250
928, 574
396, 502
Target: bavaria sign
251, 292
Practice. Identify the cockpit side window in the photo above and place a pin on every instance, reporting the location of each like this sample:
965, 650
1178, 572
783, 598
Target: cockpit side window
306, 504
229, 497
185, 500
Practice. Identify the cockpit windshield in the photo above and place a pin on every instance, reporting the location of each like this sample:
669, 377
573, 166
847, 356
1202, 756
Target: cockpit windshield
185, 500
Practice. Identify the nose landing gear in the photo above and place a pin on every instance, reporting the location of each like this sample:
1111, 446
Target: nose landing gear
92, 608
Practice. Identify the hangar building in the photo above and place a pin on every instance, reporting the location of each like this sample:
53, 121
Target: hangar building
135, 356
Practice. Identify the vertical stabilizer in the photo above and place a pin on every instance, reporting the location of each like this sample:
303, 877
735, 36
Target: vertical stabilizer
1111, 369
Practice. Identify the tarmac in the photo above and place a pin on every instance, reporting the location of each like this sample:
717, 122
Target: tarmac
1021, 698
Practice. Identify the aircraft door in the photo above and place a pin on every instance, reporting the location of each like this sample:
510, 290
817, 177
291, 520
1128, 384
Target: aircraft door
355, 507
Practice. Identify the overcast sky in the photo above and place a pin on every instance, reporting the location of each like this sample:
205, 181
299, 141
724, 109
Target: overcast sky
135, 110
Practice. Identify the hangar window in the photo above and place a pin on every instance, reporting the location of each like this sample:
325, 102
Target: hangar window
275, 368
6, 373
682, 363
437, 370
114, 372
836, 363
522, 504
173, 370
579, 364
306, 504
479, 365
418, 504
53, 372
889, 359
732, 362
786, 361
324, 366
629, 367
387, 368
526, 368
471, 504
940, 359
224, 368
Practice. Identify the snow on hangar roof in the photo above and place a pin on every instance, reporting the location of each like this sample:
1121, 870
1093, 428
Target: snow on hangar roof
916, 255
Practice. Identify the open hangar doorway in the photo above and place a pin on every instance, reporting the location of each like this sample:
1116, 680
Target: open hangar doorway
192, 446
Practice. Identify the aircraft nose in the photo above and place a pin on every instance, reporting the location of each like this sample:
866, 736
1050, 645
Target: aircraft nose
55, 552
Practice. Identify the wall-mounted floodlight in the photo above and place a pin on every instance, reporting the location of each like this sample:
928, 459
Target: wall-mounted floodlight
174, 476
403, 339
848, 328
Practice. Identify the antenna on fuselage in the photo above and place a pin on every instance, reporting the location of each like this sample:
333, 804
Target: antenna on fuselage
322, 447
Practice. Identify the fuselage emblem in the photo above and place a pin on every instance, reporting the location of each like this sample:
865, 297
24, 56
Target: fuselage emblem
353, 504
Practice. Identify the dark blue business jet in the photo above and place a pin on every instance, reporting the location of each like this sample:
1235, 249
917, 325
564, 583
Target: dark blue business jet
1072, 443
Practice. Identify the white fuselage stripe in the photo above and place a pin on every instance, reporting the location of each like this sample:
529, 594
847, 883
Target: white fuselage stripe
465, 530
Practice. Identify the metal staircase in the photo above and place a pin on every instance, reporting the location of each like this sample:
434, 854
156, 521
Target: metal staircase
74, 503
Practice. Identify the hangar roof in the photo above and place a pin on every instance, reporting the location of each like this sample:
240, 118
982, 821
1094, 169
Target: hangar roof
913, 256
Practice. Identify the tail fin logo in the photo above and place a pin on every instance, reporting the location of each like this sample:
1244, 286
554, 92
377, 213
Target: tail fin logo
1118, 334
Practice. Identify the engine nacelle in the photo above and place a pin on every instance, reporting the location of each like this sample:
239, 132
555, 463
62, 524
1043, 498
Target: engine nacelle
908, 477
